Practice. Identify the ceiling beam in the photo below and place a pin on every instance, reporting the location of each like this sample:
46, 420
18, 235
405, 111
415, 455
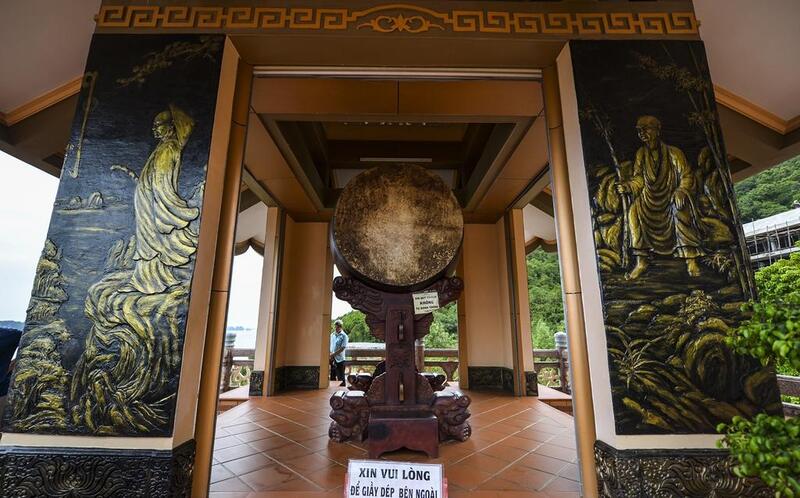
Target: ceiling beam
255, 187
755, 112
348, 154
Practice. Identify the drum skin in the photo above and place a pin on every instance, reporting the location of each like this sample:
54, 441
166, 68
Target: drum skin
397, 228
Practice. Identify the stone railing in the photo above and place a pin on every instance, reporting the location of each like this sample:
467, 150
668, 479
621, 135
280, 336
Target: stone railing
366, 354
790, 386
555, 361
232, 363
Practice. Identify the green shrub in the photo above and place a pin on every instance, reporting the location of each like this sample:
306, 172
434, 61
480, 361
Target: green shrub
767, 446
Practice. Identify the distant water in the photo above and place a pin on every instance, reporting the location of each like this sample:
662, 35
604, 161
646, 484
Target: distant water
245, 337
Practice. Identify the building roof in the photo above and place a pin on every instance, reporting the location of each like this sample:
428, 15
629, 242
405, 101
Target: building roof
780, 220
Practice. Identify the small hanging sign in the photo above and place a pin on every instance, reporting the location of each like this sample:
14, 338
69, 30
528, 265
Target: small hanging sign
425, 302
384, 479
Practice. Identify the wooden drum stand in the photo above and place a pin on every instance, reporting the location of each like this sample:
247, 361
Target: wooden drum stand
400, 408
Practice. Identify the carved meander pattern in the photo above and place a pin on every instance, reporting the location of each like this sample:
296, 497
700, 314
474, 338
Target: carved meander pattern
673, 271
101, 351
85, 472
669, 473
401, 18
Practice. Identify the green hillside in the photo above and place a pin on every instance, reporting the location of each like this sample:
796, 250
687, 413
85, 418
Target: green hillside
770, 192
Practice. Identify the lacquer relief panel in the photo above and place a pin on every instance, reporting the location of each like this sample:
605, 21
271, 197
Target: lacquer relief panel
674, 273
103, 339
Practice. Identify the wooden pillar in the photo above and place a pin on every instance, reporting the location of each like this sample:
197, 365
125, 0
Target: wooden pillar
570, 282
262, 363
524, 374
228, 141
463, 350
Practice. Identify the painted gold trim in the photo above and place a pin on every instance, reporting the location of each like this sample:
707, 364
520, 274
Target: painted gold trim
755, 112
225, 161
396, 17
581, 379
41, 102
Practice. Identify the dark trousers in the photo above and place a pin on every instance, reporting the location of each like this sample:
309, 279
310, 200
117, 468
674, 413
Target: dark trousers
339, 367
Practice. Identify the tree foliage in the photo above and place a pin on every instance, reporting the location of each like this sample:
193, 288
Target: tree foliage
770, 192
769, 446
544, 297
443, 333
354, 323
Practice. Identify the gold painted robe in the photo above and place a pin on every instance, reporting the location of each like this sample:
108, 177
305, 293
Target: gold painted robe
655, 222
164, 239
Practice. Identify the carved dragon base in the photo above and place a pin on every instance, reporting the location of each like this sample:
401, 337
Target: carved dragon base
350, 414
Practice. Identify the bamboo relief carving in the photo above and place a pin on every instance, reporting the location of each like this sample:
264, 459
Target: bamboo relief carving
101, 352
673, 271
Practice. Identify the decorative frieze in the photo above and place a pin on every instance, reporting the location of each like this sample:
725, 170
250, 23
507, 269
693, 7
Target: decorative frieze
79, 472
671, 473
398, 18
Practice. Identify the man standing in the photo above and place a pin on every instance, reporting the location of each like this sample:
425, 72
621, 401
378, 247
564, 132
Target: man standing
338, 345
662, 218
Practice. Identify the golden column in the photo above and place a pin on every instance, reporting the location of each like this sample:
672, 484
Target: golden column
229, 132
571, 283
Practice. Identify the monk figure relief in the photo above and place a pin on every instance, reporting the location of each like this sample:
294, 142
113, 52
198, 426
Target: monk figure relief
164, 238
662, 218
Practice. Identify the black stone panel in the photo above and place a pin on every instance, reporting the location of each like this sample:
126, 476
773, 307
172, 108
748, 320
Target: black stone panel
292, 377
670, 254
671, 473
531, 384
257, 383
491, 379
102, 347
95, 472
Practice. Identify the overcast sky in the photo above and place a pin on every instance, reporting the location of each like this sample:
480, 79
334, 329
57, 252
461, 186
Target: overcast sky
26, 200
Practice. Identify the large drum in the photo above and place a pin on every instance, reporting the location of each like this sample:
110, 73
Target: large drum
397, 228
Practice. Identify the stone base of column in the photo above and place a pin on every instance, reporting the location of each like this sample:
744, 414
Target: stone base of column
54, 471
667, 473
531, 384
491, 379
293, 377
256, 383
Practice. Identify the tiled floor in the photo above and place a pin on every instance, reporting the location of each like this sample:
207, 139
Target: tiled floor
278, 446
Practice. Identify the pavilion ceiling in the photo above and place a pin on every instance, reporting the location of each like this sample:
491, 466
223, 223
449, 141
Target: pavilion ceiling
310, 137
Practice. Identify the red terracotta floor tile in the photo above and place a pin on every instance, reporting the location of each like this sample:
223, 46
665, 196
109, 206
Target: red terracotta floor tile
542, 462
518, 446
240, 428
269, 477
466, 476
566, 454
231, 484
559, 484
287, 452
328, 478
486, 463
255, 435
234, 452
220, 473
308, 463
527, 478
247, 464
504, 452
270, 443
226, 442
